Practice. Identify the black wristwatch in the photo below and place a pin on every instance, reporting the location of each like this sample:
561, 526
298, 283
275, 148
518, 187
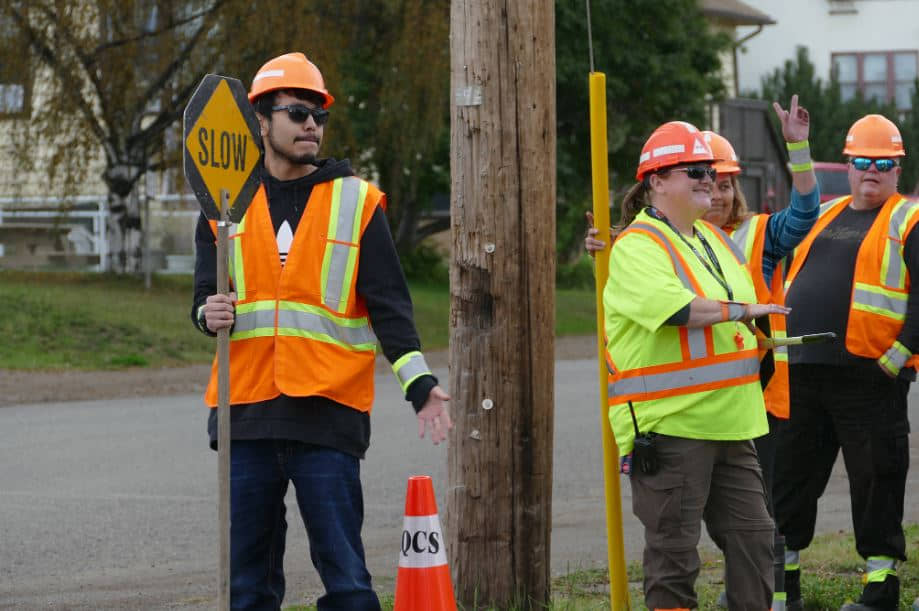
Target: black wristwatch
202, 321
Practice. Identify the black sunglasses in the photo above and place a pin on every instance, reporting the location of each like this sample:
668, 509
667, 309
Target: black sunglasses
698, 172
299, 113
883, 165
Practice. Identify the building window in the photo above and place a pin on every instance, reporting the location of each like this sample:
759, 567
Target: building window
881, 75
15, 76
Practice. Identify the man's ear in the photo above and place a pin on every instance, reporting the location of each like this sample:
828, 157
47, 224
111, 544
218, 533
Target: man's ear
263, 124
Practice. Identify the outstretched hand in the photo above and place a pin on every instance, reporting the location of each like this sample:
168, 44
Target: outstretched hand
795, 121
434, 415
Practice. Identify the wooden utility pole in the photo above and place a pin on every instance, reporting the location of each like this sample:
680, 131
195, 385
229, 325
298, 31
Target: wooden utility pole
502, 283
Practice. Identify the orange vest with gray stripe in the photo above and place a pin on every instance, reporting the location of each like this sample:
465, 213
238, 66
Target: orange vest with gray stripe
750, 236
700, 368
302, 329
880, 287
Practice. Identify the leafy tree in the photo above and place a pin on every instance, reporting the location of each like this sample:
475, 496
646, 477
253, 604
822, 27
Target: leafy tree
111, 78
661, 63
114, 76
831, 117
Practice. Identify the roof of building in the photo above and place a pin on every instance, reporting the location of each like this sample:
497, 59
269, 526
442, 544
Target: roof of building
734, 12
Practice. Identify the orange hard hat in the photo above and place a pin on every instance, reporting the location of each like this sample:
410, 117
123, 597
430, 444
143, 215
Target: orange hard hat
725, 158
289, 71
874, 136
671, 144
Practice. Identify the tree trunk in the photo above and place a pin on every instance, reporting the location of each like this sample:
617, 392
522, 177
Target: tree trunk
502, 279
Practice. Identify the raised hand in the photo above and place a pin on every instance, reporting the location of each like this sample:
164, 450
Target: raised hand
795, 121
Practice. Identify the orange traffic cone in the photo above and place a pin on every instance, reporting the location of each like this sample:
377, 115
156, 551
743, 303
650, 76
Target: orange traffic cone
423, 582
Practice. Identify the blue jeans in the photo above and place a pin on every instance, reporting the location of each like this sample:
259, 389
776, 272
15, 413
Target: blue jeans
331, 504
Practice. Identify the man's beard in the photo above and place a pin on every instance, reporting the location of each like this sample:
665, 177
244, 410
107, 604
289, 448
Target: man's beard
304, 159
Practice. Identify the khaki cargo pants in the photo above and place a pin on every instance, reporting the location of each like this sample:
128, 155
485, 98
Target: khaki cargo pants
720, 482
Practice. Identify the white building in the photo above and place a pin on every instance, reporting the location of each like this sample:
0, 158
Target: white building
872, 44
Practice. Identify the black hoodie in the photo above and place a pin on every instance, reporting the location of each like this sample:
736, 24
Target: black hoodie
318, 420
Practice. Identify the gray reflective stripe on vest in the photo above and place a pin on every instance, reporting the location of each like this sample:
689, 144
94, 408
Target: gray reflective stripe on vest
684, 378
697, 346
310, 322
778, 602
878, 300
349, 214
894, 258
735, 248
792, 560
696, 336
739, 236
879, 563
256, 318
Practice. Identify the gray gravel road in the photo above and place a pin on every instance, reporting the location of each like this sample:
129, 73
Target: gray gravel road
111, 504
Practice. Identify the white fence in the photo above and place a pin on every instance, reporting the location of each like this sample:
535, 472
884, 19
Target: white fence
84, 221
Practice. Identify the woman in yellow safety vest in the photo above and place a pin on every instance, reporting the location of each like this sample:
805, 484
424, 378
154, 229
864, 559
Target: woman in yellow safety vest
765, 240
684, 387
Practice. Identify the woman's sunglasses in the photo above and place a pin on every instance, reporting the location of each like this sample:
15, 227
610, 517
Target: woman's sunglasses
698, 172
883, 165
299, 113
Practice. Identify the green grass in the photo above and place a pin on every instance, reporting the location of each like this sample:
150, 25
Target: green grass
832, 575
87, 321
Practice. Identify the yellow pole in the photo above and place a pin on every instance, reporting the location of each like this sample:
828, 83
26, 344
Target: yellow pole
618, 581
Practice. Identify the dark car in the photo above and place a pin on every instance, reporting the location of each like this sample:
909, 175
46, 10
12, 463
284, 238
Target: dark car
833, 179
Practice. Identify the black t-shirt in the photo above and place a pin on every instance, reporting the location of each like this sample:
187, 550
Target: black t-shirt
318, 420
821, 294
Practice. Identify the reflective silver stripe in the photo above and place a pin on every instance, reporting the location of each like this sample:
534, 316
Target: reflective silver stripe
896, 358
727, 240
344, 230
311, 322
894, 258
256, 319
780, 349
685, 378
731, 244
697, 346
792, 558
739, 236
778, 604
407, 371
878, 563
878, 300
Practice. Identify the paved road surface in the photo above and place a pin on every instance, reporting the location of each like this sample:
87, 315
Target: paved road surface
111, 504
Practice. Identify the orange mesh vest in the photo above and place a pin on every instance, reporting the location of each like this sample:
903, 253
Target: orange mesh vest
880, 286
302, 329
750, 236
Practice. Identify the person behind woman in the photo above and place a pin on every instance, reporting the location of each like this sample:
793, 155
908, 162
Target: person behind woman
684, 386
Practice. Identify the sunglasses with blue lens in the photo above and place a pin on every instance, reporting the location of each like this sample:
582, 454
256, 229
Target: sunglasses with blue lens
299, 113
883, 165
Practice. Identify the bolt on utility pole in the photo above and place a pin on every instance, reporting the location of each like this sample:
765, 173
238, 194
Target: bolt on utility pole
502, 283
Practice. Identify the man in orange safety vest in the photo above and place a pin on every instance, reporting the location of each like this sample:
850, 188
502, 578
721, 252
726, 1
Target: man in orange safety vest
316, 284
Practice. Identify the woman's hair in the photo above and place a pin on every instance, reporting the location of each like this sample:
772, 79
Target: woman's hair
634, 200
739, 210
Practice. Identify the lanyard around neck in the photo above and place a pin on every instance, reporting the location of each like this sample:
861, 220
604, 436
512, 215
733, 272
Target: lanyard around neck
719, 275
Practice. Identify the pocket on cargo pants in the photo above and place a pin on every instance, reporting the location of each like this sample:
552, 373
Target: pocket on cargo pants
657, 502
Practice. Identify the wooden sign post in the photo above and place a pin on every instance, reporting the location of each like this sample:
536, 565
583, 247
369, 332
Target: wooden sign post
221, 158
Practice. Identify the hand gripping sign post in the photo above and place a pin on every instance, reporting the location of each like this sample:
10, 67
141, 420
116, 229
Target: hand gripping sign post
221, 165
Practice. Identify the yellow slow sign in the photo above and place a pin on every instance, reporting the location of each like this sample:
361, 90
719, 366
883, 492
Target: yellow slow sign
221, 145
